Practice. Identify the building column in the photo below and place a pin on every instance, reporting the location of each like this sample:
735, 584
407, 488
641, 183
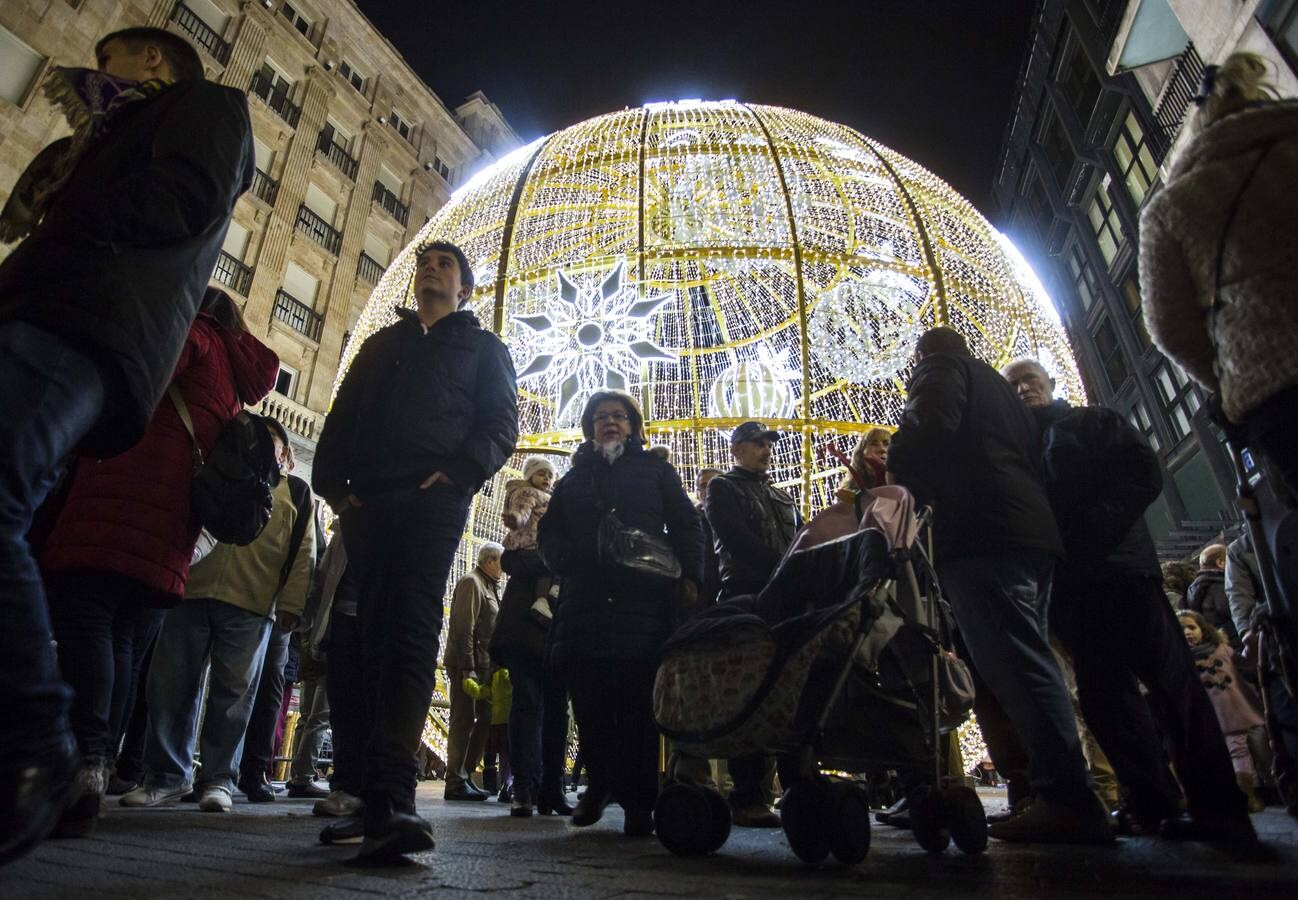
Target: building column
292, 190
248, 48
160, 13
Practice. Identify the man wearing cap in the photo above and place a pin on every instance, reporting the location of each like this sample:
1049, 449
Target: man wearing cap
753, 522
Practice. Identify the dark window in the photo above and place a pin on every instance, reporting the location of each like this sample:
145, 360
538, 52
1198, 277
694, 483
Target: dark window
1135, 160
1131, 296
442, 168
284, 382
399, 125
299, 21
1177, 394
1139, 418
1077, 80
1105, 223
1106, 343
1053, 141
1084, 282
356, 79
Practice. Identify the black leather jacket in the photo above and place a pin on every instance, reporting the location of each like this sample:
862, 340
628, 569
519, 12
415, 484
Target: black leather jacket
754, 522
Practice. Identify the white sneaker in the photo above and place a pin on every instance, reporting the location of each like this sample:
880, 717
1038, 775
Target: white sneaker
152, 795
215, 799
337, 805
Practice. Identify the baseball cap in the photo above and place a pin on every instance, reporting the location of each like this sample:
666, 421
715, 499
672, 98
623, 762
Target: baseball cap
753, 431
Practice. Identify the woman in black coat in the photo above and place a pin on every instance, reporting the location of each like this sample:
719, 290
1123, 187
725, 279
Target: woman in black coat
605, 638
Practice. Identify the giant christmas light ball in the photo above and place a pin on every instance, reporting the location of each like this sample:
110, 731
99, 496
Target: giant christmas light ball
722, 262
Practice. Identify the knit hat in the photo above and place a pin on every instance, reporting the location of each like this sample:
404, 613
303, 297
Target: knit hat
533, 464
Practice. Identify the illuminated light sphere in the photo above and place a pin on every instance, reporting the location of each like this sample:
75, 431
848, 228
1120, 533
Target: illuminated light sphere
723, 261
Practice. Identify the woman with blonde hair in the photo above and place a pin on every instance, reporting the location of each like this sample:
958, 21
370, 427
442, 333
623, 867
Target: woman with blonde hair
868, 465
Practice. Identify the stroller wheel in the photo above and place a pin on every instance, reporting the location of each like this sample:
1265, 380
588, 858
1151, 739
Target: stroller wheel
967, 817
849, 838
683, 820
720, 821
805, 820
928, 820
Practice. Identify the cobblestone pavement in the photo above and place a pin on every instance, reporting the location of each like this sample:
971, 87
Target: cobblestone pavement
270, 850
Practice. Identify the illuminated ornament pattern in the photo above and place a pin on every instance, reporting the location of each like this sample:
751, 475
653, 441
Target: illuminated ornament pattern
785, 243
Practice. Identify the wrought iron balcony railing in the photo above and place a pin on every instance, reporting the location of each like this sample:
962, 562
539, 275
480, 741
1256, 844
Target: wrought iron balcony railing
391, 203
276, 98
368, 268
232, 273
265, 187
337, 154
202, 33
1178, 95
297, 315
316, 228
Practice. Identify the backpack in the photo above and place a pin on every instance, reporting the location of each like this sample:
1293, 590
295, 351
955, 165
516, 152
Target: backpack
300, 492
231, 490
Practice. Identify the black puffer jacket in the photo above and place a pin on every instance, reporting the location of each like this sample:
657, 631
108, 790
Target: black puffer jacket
1101, 476
754, 523
1207, 596
968, 445
416, 402
647, 493
119, 265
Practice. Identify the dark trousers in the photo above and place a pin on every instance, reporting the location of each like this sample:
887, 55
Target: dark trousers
349, 714
96, 616
538, 729
134, 715
259, 740
129, 691
1003, 744
1282, 726
613, 702
400, 548
50, 397
1118, 628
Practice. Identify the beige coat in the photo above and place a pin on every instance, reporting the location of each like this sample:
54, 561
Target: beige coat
474, 606
1256, 339
247, 577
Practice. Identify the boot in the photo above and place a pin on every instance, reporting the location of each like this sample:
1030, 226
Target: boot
521, 806
1246, 782
553, 802
79, 819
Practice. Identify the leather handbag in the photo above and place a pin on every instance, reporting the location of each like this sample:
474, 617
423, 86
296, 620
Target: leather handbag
634, 557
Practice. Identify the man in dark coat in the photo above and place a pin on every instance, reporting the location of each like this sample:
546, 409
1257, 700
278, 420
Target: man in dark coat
427, 412
122, 224
970, 448
711, 585
754, 522
1206, 595
1109, 611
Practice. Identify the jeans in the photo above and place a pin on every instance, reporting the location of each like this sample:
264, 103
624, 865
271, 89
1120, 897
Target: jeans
50, 397
95, 617
466, 738
313, 720
128, 691
1118, 628
400, 547
352, 717
135, 716
1000, 603
613, 702
538, 729
1003, 743
235, 641
259, 741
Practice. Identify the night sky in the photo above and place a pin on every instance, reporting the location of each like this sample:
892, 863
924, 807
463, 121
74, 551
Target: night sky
932, 79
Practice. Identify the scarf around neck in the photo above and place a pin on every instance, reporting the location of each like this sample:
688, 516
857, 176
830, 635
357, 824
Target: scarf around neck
90, 101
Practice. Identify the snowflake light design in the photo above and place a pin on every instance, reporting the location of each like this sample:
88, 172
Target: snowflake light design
865, 331
589, 338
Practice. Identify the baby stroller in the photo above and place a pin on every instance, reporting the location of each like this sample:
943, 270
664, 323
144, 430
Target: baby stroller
843, 663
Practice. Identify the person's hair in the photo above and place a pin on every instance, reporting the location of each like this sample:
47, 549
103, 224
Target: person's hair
1213, 555
489, 550
1025, 361
181, 57
1177, 575
281, 432
1231, 86
466, 270
942, 340
632, 413
1211, 633
706, 469
221, 307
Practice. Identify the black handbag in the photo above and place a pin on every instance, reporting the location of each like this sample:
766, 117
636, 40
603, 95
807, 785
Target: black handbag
632, 557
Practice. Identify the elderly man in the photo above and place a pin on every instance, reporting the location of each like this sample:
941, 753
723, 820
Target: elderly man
1110, 613
474, 606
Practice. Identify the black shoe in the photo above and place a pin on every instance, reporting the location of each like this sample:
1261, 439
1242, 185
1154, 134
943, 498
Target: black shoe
257, 790
396, 836
465, 791
553, 804
32, 799
590, 808
506, 795
521, 807
350, 830
638, 823
118, 785
309, 790
490, 780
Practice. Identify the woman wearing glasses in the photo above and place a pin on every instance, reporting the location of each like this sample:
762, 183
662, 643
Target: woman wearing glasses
607, 631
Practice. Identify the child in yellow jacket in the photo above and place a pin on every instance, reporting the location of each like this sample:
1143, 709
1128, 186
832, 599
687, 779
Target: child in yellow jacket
501, 694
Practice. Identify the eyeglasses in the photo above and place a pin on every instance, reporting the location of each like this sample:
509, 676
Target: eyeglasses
610, 417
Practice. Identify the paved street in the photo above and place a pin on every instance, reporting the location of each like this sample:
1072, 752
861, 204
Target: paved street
271, 851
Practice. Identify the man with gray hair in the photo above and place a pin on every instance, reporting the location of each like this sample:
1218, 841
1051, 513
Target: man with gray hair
473, 618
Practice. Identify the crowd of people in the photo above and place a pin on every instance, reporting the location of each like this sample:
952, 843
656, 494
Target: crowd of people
127, 624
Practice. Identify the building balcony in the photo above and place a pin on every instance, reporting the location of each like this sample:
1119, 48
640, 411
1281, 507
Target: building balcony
203, 34
1178, 94
299, 420
232, 273
277, 100
320, 231
391, 203
265, 187
297, 315
368, 269
337, 154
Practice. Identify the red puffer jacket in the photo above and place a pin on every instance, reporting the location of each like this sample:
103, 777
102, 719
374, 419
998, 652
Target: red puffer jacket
131, 514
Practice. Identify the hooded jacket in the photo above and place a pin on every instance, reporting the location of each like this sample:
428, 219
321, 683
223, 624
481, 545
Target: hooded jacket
1246, 351
417, 401
525, 504
131, 514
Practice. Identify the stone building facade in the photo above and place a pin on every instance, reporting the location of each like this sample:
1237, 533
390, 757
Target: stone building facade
354, 154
